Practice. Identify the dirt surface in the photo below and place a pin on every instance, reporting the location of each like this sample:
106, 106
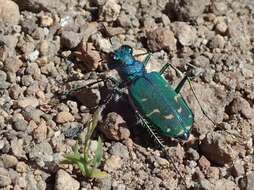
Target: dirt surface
48, 46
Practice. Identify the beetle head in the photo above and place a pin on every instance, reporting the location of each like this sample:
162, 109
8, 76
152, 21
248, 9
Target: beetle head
123, 54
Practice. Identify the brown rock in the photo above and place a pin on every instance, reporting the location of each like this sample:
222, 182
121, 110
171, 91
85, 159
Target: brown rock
213, 173
225, 184
90, 57
28, 101
113, 163
9, 12
110, 11
204, 163
63, 117
9, 161
240, 105
40, 133
161, 38
237, 169
217, 149
114, 127
185, 33
64, 181
22, 167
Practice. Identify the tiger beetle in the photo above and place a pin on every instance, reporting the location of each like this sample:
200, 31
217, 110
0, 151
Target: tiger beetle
160, 108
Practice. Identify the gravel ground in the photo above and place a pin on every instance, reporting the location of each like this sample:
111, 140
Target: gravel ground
47, 47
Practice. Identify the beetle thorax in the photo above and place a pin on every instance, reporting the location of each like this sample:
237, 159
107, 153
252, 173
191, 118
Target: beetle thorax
132, 70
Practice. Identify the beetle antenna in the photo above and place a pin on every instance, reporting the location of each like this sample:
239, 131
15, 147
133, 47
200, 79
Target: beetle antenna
203, 111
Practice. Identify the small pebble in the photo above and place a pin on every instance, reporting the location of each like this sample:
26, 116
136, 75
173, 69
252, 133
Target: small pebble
63, 117
64, 181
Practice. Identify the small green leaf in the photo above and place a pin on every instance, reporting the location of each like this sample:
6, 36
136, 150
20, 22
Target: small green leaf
86, 163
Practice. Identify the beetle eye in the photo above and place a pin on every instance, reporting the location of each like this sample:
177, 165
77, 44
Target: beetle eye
185, 136
129, 49
114, 56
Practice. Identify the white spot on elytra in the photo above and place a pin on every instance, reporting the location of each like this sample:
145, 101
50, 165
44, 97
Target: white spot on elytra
177, 97
181, 132
168, 130
144, 99
170, 116
179, 110
154, 111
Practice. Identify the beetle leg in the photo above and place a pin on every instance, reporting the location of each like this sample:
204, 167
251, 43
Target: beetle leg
159, 142
178, 89
203, 111
181, 84
166, 66
147, 58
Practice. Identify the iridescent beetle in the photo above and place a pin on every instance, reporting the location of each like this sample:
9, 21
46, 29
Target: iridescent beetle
160, 107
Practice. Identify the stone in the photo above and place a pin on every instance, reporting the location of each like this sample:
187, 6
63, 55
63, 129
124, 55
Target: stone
114, 127
9, 161
9, 12
19, 124
3, 76
31, 113
104, 183
113, 163
33, 56
161, 38
237, 169
22, 167
5, 179
219, 7
216, 148
44, 47
46, 21
17, 148
12, 64
90, 58
205, 184
41, 153
185, 33
237, 33
38, 5
225, 184
221, 28
70, 39
217, 42
63, 117
204, 163
15, 91
119, 150
110, 11
241, 105
190, 10
193, 154
28, 101
249, 179
65, 182
213, 173
40, 133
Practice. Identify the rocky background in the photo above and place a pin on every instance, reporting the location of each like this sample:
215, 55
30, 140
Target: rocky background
45, 44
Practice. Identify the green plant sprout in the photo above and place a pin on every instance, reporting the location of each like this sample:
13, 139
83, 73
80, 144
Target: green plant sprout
86, 162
